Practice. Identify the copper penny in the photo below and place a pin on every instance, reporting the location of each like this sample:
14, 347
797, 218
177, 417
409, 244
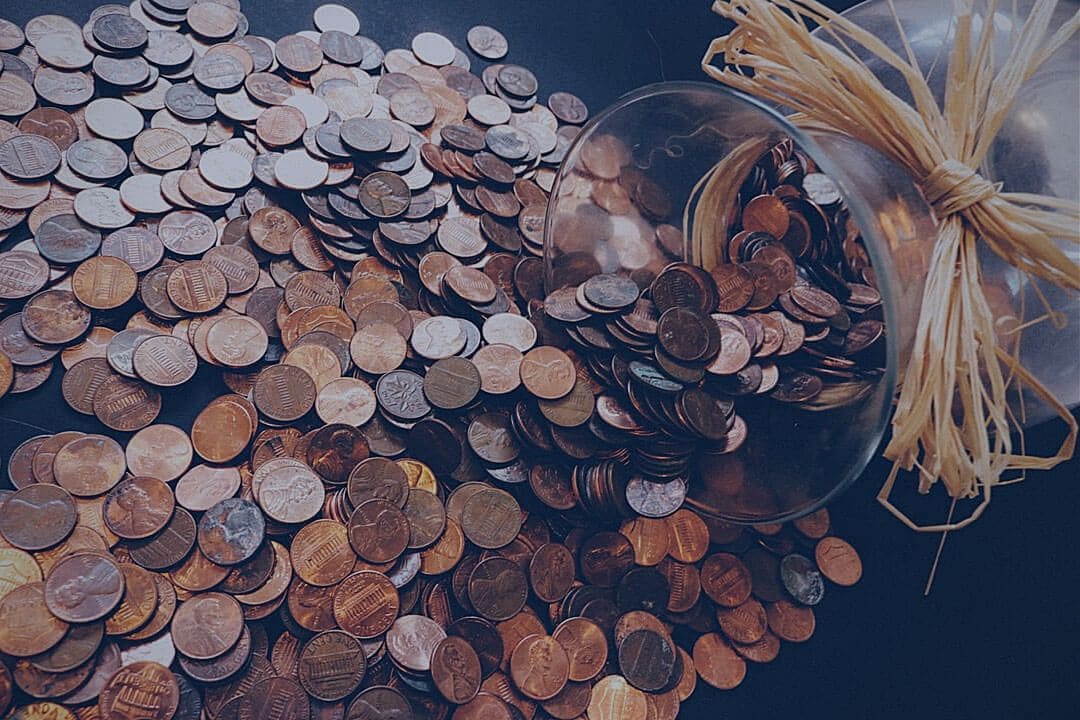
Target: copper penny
284, 393
55, 317
491, 518
221, 431
321, 554
500, 368
37, 517
148, 686
84, 587
138, 507
104, 283
165, 361
613, 698
168, 547
380, 478
126, 405
332, 665
207, 625
551, 572
548, 373
366, 604
378, 530
455, 669
725, 579
743, 624
717, 663
790, 622
498, 588
347, 400
197, 287
838, 561
585, 646
26, 625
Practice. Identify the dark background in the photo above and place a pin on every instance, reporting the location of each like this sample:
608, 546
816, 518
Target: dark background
998, 635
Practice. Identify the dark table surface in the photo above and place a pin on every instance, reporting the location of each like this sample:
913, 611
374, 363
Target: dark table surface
998, 636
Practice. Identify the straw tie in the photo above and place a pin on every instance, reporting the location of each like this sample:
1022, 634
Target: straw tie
952, 187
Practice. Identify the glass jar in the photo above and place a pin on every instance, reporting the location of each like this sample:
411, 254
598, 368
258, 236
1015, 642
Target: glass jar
669, 137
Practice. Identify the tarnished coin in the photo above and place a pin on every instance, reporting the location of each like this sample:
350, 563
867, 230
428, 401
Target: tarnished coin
487, 42
332, 665
231, 531
207, 625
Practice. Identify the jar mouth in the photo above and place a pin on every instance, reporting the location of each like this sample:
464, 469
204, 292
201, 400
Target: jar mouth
861, 213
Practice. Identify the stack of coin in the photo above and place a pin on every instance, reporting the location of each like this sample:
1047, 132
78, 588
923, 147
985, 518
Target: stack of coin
430, 486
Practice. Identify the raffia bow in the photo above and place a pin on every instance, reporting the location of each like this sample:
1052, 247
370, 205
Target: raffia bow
952, 419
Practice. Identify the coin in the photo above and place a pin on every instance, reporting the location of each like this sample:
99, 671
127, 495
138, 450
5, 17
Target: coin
28, 627
332, 665
153, 684
37, 517
366, 604
231, 531
487, 42
83, 588
207, 625
138, 507
838, 561
717, 663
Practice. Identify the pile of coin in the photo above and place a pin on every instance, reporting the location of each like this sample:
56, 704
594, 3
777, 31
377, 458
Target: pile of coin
432, 487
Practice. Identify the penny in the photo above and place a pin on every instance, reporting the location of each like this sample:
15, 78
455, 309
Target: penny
29, 157
83, 588
365, 604
237, 341
585, 646
21, 274
332, 665
605, 557
491, 518
487, 42
744, 624
321, 554
153, 685
568, 108
335, 450
717, 663
138, 604
170, 545
411, 641
165, 361
231, 531
37, 516
725, 579
55, 317
138, 507
159, 451
79, 646
221, 667
26, 626
207, 625
499, 367
125, 405
789, 621
346, 400
284, 393
104, 283
838, 561
378, 530
288, 490
613, 697
551, 572
548, 373
378, 478
384, 195
498, 588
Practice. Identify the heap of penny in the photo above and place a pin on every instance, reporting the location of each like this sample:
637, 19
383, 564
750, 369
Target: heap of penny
431, 489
